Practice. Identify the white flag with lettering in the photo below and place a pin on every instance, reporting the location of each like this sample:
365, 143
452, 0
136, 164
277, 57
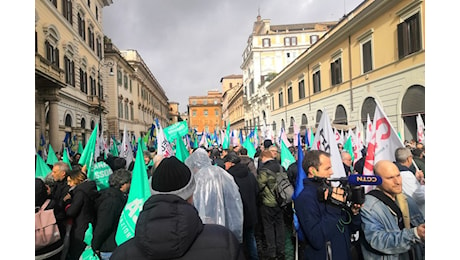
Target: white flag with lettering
325, 140
383, 143
164, 147
420, 129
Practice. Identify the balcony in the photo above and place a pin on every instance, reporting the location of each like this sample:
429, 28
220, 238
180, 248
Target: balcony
94, 103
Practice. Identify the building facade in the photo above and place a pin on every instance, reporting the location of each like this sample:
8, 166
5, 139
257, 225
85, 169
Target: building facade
205, 112
231, 86
269, 49
174, 115
374, 56
70, 92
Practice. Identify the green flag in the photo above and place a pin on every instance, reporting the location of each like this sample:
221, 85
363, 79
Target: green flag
250, 147
226, 141
146, 137
88, 253
114, 148
138, 194
80, 148
348, 146
180, 128
65, 157
41, 168
181, 150
87, 157
52, 159
286, 156
100, 173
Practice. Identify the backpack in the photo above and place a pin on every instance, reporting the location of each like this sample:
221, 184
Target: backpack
283, 189
46, 228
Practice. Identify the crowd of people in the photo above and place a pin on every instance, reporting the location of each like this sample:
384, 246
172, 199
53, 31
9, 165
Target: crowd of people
219, 204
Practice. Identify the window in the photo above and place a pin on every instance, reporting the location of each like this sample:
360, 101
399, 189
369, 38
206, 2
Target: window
132, 111
301, 88
92, 83
409, 36
91, 37
280, 99
130, 86
290, 41
193, 112
125, 81
366, 49
336, 71
119, 77
205, 112
194, 102
316, 81
289, 93
251, 87
216, 112
99, 48
266, 42
54, 2
313, 39
97, 13
120, 108
126, 111
100, 89
69, 71
67, 10
205, 102
215, 101
83, 81
52, 53
81, 26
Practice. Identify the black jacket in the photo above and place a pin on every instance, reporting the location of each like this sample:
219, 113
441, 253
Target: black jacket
169, 227
81, 209
249, 190
109, 206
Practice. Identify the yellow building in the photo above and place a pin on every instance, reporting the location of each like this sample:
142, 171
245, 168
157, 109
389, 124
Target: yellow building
270, 48
174, 115
232, 101
375, 54
70, 94
205, 112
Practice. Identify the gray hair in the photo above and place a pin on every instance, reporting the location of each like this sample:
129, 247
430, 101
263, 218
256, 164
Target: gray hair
402, 153
119, 177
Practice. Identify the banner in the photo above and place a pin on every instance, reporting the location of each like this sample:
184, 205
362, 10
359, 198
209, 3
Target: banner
179, 128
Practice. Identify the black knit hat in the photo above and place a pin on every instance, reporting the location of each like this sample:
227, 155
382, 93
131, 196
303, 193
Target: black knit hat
173, 177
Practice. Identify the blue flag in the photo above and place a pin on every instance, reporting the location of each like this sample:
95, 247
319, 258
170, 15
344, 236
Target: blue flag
298, 187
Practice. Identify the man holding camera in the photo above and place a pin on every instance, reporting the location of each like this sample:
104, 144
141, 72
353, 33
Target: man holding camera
325, 219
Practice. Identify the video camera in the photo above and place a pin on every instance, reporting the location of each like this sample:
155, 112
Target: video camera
354, 192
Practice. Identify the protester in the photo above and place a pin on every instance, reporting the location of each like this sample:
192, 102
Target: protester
347, 162
42, 193
359, 164
326, 222
271, 213
419, 159
169, 226
109, 206
393, 226
249, 190
248, 161
59, 190
413, 184
82, 195
216, 158
216, 196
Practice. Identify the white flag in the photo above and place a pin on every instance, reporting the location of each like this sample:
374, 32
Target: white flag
164, 147
325, 140
384, 142
284, 138
420, 129
126, 150
296, 133
368, 130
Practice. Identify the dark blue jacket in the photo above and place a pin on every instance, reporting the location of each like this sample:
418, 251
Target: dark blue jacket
322, 224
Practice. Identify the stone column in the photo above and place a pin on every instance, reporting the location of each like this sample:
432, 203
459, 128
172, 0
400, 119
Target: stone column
53, 116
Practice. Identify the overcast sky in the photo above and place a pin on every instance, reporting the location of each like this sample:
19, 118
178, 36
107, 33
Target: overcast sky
189, 45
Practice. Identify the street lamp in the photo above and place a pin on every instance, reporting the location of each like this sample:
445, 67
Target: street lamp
101, 65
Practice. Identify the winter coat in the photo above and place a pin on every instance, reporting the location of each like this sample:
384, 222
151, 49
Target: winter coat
82, 212
267, 182
249, 190
324, 225
169, 227
109, 206
248, 161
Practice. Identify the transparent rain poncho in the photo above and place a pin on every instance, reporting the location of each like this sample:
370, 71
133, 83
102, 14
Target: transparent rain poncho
216, 197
